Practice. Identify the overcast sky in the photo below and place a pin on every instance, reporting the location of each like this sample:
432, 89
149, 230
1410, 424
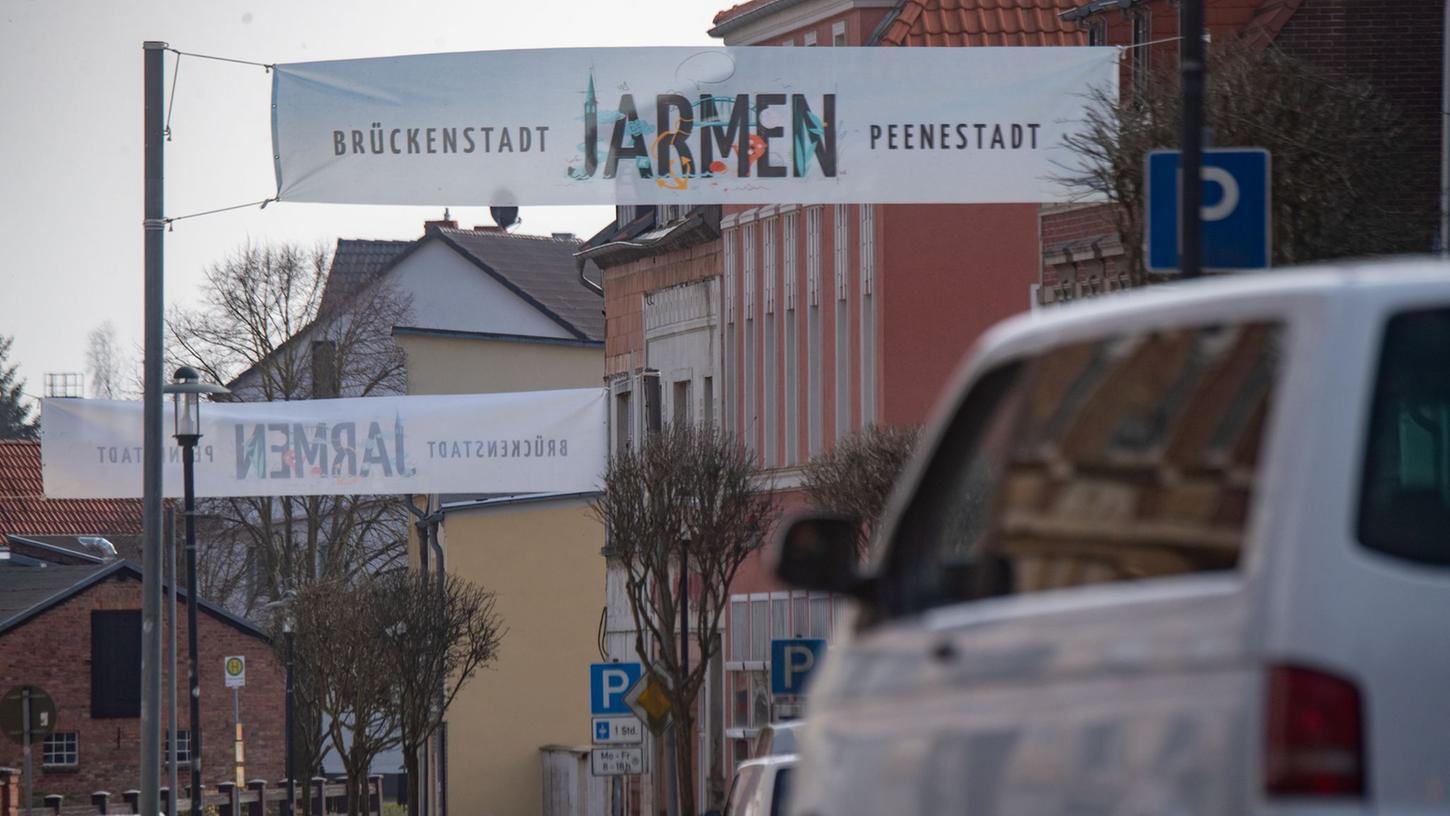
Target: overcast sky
70, 139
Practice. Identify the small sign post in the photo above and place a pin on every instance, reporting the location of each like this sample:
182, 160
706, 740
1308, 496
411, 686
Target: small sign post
235, 668
27, 715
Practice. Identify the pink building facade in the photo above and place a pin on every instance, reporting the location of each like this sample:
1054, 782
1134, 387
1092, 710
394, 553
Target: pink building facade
837, 317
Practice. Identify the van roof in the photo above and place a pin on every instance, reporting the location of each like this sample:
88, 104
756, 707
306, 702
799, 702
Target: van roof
1243, 296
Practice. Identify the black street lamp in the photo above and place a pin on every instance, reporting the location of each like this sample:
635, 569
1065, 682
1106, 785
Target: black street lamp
186, 390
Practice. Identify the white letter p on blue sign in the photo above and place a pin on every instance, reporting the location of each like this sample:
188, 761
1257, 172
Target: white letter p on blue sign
791, 663
608, 683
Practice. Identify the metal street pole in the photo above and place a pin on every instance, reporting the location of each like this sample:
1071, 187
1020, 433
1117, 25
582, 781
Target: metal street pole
25, 740
289, 759
680, 734
152, 225
1190, 257
188, 446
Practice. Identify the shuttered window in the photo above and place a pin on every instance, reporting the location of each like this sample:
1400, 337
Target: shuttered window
115, 664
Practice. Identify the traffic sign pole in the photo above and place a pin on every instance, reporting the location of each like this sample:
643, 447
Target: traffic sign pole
1189, 215
25, 739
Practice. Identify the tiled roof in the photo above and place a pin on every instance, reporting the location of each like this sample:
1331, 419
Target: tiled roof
29, 590
24, 510
540, 269
22, 588
355, 263
919, 23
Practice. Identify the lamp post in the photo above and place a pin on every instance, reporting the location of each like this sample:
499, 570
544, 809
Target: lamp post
288, 626
291, 770
186, 389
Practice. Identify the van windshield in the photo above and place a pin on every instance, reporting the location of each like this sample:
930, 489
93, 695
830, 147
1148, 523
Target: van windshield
1126, 457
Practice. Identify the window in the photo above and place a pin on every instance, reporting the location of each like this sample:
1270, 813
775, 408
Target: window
1141, 52
868, 314
770, 369
754, 621
792, 343
115, 664
838, 33
623, 422
810, 39
1097, 33
708, 398
1404, 508
1109, 460
59, 750
730, 338
814, 397
750, 365
653, 411
681, 403
183, 746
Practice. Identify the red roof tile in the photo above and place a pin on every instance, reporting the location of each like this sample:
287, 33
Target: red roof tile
960, 23
24, 510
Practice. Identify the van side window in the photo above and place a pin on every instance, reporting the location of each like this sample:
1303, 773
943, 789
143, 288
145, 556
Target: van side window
1404, 506
1109, 460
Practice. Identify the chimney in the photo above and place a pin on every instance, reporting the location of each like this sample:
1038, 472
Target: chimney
444, 223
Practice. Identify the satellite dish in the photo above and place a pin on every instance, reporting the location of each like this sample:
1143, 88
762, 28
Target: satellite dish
505, 217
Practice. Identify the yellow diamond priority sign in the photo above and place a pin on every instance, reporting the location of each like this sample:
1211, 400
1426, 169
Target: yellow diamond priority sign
650, 701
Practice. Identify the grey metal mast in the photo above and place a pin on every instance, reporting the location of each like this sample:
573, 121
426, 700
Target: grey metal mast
151, 578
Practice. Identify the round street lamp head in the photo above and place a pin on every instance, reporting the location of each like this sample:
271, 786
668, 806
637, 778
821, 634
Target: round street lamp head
186, 390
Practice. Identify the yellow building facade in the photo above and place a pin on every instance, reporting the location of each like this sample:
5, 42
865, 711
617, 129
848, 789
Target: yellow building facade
540, 555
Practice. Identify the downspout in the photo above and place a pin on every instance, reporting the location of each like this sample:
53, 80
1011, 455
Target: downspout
599, 290
1445, 136
436, 513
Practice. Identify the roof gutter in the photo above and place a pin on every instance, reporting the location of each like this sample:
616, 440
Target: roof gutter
1096, 7
740, 21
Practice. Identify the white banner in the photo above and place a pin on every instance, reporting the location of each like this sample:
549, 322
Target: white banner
530, 442
684, 125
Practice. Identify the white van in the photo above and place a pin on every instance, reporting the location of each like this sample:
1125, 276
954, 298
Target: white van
1178, 551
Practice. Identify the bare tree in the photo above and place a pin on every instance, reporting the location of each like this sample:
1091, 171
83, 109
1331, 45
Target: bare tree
1339, 168
856, 476
437, 638
687, 497
262, 328
340, 654
105, 362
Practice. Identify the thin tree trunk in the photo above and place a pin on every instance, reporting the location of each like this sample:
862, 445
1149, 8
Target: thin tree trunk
684, 764
410, 769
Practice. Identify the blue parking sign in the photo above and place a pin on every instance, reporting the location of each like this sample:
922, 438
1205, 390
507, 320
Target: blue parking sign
792, 660
608, 683
1235, 214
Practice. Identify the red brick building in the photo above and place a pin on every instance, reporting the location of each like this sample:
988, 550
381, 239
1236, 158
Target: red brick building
1394, 45
75, 631
70, 623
